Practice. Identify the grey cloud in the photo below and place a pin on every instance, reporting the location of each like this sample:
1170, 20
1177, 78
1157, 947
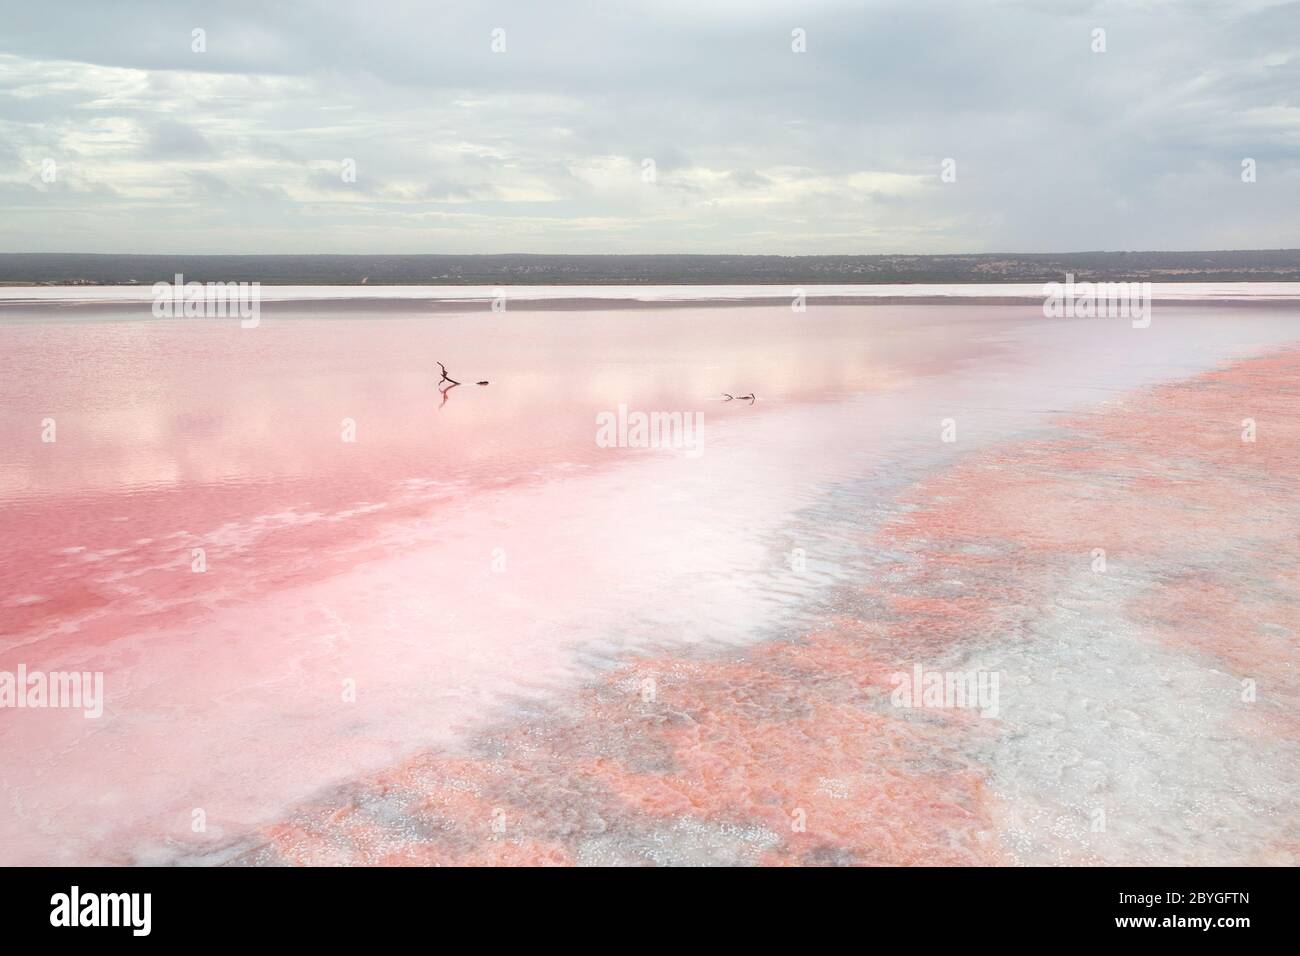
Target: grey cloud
169, 139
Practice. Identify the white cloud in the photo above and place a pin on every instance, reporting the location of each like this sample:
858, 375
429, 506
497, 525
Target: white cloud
757, 149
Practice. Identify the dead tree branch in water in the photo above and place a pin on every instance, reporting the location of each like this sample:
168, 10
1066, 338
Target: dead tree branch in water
450, 383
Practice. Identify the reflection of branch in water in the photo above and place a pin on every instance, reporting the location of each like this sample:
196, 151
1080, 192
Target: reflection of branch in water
452, 383
750, 397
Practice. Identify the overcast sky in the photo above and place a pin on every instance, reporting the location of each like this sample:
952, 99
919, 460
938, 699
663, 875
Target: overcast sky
542, 148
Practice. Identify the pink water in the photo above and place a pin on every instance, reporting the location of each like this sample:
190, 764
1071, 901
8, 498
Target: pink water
464, 562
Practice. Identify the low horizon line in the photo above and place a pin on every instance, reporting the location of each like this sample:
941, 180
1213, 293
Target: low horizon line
678, 255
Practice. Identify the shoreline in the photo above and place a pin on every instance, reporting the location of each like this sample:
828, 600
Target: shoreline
554, 298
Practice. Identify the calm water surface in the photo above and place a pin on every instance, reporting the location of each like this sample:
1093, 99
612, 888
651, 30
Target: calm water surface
469, 552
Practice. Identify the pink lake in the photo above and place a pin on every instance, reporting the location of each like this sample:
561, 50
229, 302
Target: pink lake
396, 582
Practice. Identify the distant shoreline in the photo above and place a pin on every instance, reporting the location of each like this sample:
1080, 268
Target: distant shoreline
436, 271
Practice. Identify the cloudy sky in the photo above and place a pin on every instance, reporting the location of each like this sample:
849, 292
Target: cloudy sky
542, 147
